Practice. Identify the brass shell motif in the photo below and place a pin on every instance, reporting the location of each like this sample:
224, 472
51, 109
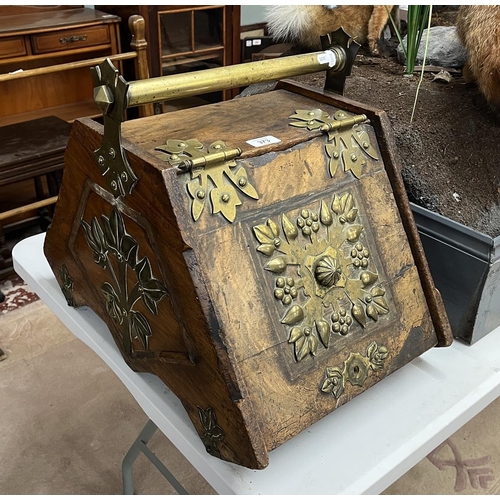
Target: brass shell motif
356, 370
115, 250
210, 173
325, 278
348, 140
327, 271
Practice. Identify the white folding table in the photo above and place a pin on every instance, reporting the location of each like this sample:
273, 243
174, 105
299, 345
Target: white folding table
362, 447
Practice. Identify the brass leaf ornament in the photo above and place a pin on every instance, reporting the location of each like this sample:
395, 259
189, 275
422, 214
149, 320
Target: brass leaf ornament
114, 250
348, 143
356, 370
215, 175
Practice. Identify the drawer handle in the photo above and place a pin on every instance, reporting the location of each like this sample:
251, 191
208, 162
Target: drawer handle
71, 39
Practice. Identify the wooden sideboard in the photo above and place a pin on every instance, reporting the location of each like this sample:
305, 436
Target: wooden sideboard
40, 37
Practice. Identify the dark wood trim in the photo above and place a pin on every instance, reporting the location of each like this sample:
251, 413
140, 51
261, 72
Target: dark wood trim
254, 27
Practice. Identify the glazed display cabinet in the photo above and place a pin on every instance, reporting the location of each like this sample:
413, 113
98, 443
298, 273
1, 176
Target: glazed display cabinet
185, 38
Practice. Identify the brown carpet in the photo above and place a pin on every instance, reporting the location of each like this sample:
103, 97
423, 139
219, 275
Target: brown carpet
67, 422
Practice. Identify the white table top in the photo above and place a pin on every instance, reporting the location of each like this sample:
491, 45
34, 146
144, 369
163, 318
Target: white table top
362, 447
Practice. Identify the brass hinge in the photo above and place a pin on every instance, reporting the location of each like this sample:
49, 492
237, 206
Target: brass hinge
214, 159
210, 172
348, 140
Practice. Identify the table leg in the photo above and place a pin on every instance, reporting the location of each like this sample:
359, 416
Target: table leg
5, 257
140, 446
40, 195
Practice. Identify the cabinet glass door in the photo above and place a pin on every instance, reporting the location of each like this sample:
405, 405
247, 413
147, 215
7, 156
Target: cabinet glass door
192, 39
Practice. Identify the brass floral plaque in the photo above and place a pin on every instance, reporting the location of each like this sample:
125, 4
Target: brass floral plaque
348, 143
325, 276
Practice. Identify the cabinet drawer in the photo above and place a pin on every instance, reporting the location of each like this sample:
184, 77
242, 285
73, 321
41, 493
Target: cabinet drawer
70, 39
12, 47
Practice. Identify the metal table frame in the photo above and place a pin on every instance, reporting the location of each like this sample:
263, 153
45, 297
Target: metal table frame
141, 446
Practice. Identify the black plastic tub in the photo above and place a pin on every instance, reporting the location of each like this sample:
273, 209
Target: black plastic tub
465, 266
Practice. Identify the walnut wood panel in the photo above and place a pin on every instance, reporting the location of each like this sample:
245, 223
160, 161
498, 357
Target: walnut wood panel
210, 382
221, 323
32, 41
283, 393
12, 47
21, 159
233, 124
66, 112
11, 10
38, 22
387, 144
70, 39
44, 91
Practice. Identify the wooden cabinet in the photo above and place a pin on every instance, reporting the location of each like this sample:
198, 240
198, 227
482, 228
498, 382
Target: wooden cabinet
185, 38
70, 39
33, 38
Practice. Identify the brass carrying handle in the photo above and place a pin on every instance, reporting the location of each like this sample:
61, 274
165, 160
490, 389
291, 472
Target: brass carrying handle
165, 88
239, 75
113, 95
72, 39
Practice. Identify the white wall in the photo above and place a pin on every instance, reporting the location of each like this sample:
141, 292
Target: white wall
252, 14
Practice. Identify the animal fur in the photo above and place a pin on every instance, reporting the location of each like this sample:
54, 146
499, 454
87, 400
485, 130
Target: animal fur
478, 27
304, 24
